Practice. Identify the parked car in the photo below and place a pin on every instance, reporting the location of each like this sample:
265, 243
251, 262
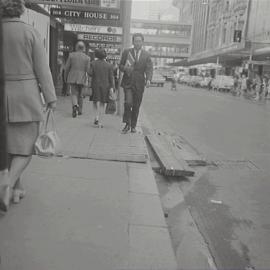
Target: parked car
205, 82
195, 81
222, 82
158, 80
169, 75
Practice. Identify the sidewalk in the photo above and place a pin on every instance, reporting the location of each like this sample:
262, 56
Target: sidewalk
85, 210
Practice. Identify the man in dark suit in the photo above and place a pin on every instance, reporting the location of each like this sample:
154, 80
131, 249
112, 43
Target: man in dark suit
137, 67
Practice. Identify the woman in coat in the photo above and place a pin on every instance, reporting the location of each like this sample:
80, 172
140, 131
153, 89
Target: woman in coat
102, 84
27, 75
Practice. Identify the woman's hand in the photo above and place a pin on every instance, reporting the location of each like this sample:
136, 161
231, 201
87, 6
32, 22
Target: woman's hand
51, 105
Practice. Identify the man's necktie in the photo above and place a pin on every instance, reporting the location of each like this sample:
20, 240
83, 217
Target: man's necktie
136, 56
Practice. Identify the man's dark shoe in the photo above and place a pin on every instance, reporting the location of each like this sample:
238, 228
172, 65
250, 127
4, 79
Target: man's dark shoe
133, 130
79, 113
74, 111
126, 129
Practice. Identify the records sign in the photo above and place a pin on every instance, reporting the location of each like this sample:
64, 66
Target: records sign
93, 29
116, 47
100, 38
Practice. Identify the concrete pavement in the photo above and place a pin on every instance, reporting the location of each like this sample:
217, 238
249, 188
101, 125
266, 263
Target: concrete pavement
83, 209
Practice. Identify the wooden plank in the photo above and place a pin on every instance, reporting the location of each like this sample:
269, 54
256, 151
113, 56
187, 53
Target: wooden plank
183, 151
170, 166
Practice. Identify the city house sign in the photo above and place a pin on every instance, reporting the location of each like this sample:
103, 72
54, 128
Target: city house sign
93, 15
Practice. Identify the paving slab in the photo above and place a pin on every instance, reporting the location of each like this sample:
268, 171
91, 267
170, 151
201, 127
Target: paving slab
81, 139
141, 179
146, 210
150, 248
66, 222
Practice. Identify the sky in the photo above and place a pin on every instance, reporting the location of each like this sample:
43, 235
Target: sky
140, 9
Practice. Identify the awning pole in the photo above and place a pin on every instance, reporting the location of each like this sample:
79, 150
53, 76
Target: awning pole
217, 66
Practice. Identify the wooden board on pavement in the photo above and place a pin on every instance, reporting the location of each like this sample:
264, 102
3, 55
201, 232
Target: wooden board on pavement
170, 166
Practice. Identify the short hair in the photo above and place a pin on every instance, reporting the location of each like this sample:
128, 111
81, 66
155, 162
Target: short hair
100, 53
80, 46
12, 8
137, 35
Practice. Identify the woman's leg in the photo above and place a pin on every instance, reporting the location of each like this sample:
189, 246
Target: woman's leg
102, 108
96, 110
17, 166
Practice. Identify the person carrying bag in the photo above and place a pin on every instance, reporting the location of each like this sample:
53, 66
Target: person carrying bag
48, 142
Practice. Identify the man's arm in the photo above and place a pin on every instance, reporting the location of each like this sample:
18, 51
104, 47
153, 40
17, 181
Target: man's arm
149, 70
67, 68
123, 60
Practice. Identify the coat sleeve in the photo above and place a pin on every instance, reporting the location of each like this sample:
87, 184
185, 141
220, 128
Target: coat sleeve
91, 69
123, 60
42, 70
149, 68
111, 77
67, 67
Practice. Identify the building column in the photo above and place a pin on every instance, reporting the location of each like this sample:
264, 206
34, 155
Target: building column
3, 137
126, 17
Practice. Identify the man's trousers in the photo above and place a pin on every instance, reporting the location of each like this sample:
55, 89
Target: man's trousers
76, 95
133, 100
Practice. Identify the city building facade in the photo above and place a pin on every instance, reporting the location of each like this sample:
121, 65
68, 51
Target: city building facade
234, 33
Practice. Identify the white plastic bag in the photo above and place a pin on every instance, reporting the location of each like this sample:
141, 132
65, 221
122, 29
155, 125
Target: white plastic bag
48, 142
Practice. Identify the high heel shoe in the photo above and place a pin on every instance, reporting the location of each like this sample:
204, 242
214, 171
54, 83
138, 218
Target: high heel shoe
4, 197
18, 194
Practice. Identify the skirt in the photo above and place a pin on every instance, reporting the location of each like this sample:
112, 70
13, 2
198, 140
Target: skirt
100, 94
21, 137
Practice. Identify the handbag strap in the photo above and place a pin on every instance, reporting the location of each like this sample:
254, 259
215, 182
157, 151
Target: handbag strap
50, 115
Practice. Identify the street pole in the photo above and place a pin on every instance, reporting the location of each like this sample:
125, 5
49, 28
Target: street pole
126, 15
3, 139
217, 66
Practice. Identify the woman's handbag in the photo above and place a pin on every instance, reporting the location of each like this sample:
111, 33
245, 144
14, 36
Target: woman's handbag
48, 142
111, 106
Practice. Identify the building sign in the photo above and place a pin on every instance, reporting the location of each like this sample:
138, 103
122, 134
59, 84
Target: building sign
104, 45
93, 29
109, 3
93, 15
112, 4
100, 38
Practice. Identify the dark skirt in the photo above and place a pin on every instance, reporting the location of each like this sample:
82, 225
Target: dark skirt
21, 137
100, 94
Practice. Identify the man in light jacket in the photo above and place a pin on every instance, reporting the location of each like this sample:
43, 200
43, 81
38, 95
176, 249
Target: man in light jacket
76, 69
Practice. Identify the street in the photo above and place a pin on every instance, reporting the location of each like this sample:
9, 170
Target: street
229, 202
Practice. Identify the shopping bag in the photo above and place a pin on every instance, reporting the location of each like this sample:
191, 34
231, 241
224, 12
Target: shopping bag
111, 106
48, 142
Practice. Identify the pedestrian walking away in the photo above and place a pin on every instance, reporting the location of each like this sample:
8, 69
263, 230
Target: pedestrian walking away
26, 74
102, 84
137, 66
76, 70
258, 86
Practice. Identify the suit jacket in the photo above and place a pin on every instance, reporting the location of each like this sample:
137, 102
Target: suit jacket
77, 67
102, 75
26, 72
142, 70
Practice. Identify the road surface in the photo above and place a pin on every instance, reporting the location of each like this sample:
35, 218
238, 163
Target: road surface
230, 202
